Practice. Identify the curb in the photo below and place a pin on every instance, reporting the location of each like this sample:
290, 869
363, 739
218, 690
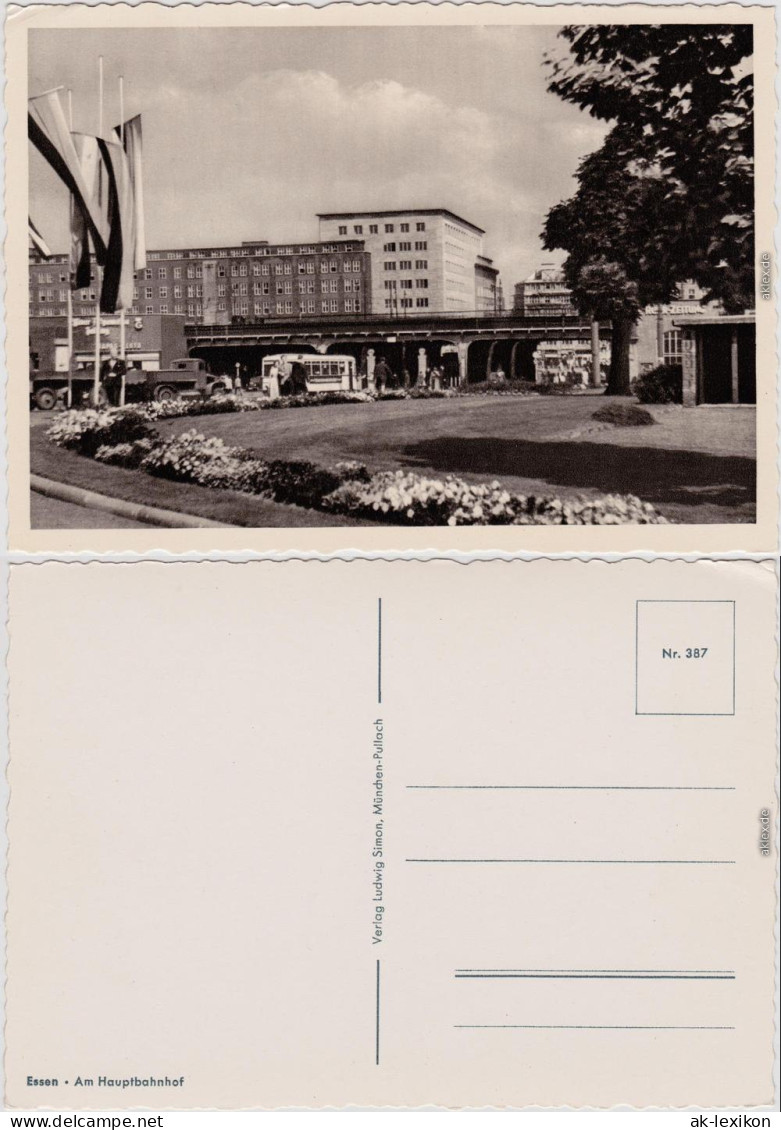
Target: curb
136, 511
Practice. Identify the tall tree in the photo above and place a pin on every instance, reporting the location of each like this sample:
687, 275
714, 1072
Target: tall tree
621, 251
670, 194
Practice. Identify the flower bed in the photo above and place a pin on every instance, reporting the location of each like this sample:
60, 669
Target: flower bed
410, 499
125, 437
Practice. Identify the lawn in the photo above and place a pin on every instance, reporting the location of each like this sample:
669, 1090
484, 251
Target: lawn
696, 465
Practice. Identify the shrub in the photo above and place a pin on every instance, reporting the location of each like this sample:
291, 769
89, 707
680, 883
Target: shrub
420, 392
392, 394
301, 483
662, 385
571, 384
125, 454
350, 470
191, 457
198, 406
316, 399
623, 416
88, 429
497, 388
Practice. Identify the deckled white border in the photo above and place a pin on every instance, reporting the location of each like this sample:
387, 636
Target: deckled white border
7, 559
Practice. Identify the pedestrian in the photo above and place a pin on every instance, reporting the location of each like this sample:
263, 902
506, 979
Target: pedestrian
298, 377
435, 377
111, 373
272, 381
382, 375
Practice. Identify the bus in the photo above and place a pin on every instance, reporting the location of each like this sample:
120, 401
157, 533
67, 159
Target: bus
312, 372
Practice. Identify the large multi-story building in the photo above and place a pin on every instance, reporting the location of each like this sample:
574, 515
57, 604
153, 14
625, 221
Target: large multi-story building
422, 258
382, 262
253, 280
544, 293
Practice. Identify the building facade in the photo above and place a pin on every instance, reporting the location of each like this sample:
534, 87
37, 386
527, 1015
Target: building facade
657, 338
544, 294
152, 341
422, 259
253, 280
488, 287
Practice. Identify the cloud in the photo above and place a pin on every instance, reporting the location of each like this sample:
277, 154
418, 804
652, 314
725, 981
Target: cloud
282, 145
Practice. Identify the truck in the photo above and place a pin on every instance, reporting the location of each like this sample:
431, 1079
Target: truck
186, 375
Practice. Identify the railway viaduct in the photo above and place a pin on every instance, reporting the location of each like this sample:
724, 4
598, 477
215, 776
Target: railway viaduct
468, 344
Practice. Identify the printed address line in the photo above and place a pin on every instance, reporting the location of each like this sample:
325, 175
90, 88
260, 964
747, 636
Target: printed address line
593, 788
714, 862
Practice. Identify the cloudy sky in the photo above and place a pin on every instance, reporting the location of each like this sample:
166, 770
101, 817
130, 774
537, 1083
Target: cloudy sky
249, 133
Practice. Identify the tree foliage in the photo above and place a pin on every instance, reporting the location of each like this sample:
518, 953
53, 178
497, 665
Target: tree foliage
670, 194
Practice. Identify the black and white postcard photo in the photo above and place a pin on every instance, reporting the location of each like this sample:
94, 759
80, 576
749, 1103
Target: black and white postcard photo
392, 561
406, 279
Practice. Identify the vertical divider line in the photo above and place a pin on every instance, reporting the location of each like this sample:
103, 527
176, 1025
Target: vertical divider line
377, 1021
734, 656
637, 654
379, 650
379, 700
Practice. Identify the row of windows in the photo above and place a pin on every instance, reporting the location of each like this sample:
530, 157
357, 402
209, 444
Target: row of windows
193, 309
51, 296
305, 267
406, 284
195, 271
374, 228
248, 251
306, 306
405, 303
195, 291
305, 286
406, 245
258, 270
405, 265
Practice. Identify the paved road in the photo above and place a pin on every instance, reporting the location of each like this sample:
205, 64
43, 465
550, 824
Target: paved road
54, 514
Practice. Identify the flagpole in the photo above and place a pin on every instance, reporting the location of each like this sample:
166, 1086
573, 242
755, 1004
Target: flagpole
122, 348
96, 379
51, 90
69, 391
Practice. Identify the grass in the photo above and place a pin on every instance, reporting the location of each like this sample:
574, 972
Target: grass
697, 465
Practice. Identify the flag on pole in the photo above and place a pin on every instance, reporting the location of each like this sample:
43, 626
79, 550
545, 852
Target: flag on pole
131, 131
96, 180
80, 267
49, 133
117, 291
38, 242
